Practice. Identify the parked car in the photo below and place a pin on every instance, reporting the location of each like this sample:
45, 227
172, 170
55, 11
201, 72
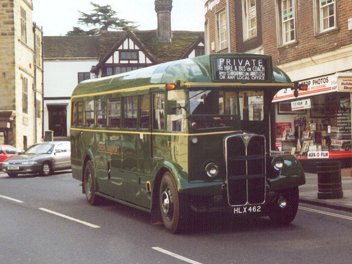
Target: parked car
43, 158
7, 151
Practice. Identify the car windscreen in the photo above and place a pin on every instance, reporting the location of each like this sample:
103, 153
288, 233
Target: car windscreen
40, 149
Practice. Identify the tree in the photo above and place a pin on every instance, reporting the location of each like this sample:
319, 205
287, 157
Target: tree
102, 18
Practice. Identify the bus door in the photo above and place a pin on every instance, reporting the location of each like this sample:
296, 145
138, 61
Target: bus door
136, 152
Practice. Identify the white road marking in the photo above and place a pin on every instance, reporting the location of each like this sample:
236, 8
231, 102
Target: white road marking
11, 199
69, 218
325, 213
174, 255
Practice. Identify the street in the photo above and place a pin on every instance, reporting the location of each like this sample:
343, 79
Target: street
47, 220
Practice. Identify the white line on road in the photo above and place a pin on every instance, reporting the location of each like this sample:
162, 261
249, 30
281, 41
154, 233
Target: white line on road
11, 199
169, 253
69, 218
325, 213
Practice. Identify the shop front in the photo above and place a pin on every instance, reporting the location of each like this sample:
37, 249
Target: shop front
316, 125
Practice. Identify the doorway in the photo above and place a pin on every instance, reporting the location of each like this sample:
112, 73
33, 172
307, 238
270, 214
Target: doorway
58, 120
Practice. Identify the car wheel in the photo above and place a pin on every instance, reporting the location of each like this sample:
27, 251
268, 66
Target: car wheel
284, 214
90, 184
12, 175
173, 213
46, 169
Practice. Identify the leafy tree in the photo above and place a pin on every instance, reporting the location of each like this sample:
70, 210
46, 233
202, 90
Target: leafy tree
102, 18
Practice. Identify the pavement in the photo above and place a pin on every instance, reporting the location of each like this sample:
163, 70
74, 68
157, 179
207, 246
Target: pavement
309, 191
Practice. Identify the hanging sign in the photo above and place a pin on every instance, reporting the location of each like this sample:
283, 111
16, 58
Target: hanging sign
301, 104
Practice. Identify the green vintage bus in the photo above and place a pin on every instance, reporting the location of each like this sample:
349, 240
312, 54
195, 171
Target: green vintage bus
186, 137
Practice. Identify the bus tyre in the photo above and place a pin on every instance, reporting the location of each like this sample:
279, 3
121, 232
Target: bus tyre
90, 184
284, 215
46, 169
173, 214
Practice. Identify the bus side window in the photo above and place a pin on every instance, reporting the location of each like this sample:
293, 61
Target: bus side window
101, 112
144, 111
130, 111
89, 113
159, 111
77, 114
114, 113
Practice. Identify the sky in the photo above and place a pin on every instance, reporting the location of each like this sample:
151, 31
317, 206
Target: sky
58, 17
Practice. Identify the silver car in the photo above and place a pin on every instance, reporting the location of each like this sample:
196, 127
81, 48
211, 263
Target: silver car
43, 158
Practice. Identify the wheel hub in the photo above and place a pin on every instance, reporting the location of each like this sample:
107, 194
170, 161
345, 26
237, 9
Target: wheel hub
166, 203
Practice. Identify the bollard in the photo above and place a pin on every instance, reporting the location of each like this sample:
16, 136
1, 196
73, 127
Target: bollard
329, 180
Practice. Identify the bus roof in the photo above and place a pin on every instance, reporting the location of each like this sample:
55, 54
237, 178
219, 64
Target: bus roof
191, 70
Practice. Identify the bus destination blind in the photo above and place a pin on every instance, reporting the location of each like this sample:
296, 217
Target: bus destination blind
240, 69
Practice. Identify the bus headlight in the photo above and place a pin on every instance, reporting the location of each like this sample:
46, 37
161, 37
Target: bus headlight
278, 164
212, 170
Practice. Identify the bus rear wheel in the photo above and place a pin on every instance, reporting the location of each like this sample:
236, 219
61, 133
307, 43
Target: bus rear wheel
284, 210
173, 213
90, 184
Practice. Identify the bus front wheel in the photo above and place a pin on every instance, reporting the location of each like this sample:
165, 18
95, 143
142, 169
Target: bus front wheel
89, 184
284, 210
173, 213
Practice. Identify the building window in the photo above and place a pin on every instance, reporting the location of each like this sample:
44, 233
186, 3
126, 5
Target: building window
222, 30
83, 76
249, 11
23, 25
24, 95
327, 15
199, 51
38, 53
128, 55
287, 14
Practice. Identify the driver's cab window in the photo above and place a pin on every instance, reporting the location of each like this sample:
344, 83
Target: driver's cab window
252, 105
176, 114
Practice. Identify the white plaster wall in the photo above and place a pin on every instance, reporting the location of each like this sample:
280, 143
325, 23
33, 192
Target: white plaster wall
60, 76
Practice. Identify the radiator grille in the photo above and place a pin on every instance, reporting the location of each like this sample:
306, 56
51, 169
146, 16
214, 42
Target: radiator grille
245, 169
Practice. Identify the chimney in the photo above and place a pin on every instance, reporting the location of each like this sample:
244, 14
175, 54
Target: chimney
163, 10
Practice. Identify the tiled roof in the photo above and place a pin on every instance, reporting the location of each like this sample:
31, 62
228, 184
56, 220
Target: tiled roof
71, 47
98, 47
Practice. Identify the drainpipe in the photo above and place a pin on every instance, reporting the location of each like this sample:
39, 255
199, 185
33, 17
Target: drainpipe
35, 82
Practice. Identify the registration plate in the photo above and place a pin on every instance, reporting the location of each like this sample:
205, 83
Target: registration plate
13, 168
248, 209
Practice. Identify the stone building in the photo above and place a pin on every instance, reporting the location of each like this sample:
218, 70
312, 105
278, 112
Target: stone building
312, 42
71, 59
21, 75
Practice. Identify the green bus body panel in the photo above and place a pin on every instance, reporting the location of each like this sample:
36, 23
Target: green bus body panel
193, 70
126, 161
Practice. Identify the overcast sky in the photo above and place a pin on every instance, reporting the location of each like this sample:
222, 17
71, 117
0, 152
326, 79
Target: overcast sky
58, 17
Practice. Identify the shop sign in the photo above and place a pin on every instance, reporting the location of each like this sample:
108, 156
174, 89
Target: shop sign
318, 154
345, 84
321, 85
301, 104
